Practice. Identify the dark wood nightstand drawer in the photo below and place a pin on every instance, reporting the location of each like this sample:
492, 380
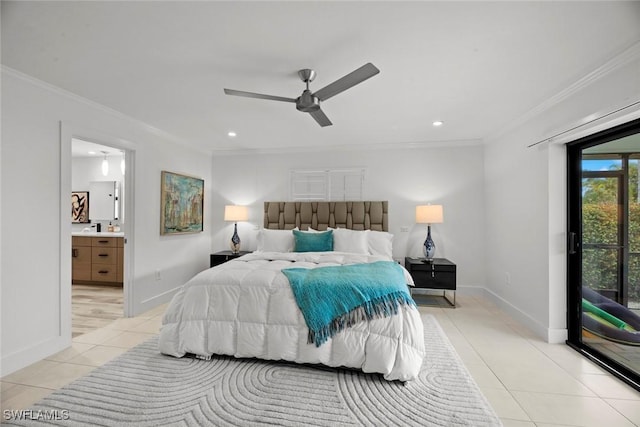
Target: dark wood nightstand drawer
434, 280
439, 274
224, 256
437, 265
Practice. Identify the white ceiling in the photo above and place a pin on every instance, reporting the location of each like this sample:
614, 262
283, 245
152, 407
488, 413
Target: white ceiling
478, 66
81, 148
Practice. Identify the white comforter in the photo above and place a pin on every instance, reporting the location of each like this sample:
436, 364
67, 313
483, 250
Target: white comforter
245, 308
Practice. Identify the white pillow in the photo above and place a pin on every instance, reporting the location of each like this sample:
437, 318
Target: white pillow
310, 230
380, 243
352, 241
275, 241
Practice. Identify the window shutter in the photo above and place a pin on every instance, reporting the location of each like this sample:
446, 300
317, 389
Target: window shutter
308, 185
346, 185
328, 184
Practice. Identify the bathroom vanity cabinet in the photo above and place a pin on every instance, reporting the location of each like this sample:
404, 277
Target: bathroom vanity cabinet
97, 259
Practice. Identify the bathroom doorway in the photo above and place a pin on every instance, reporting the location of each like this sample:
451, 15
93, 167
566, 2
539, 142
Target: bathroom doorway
99, 215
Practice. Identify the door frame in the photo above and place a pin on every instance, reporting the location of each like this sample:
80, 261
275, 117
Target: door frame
68, 131
574, 248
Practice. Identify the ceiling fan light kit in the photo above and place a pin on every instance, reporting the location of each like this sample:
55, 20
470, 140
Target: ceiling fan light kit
309, 102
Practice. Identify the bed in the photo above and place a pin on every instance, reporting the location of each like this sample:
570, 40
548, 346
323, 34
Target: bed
246, 307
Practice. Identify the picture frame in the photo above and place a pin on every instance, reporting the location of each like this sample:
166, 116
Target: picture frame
80, 207
182, 204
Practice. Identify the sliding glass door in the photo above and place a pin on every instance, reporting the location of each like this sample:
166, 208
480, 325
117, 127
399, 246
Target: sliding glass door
604, 249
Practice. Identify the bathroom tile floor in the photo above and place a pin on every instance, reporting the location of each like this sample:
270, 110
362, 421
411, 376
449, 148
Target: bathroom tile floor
94, 306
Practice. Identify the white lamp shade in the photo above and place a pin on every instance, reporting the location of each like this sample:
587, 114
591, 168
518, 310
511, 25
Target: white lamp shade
236, 213
429, 214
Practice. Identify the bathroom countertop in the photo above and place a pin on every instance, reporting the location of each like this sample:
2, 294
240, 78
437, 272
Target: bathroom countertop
96, 234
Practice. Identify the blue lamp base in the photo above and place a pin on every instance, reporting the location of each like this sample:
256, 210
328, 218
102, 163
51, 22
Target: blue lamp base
429, 247
235, 240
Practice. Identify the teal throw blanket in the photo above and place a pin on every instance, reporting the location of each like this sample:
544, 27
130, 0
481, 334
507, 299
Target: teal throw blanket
337, 297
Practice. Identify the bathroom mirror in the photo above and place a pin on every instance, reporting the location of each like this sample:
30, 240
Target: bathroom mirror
105, 200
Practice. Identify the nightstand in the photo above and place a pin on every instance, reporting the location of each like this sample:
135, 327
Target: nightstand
439, 274
224, 256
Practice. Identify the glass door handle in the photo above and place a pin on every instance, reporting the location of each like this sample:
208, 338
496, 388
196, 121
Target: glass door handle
573, 243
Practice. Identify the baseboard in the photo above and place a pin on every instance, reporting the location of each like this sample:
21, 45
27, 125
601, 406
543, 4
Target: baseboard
476, 291
557, 336
154, 301
552, 336
27, 356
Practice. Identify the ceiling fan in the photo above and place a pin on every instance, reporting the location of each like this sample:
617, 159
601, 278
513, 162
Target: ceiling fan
310, 102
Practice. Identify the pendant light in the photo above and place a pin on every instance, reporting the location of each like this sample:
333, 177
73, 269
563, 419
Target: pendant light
105, 164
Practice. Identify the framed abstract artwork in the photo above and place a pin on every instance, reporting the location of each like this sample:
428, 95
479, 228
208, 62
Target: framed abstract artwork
182, 204
79, 206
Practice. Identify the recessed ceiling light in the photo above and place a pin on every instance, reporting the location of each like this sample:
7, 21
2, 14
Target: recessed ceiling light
438, 123
92, 152
231, 134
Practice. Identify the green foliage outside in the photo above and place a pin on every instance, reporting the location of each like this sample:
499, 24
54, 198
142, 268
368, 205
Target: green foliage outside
600, 225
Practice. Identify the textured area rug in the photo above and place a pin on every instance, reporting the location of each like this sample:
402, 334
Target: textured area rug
145, 388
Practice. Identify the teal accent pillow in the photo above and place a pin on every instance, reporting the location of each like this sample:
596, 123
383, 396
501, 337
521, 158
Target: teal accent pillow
313, 242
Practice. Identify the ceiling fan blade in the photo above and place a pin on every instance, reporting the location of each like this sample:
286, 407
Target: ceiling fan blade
258, 95
353, 78
321, 118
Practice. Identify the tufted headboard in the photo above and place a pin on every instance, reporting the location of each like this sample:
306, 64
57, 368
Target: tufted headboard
320, 215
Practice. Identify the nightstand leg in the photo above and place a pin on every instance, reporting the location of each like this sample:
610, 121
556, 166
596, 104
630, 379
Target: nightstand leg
444, 295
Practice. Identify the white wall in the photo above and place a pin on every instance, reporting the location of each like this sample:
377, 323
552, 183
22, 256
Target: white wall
34, 235
525, 191
406, 177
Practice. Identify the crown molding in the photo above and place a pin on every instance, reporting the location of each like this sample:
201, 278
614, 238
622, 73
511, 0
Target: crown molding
628, 55
358, 147
92, 104
614, 118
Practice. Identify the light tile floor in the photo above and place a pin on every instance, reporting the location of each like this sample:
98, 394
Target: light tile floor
527, 381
